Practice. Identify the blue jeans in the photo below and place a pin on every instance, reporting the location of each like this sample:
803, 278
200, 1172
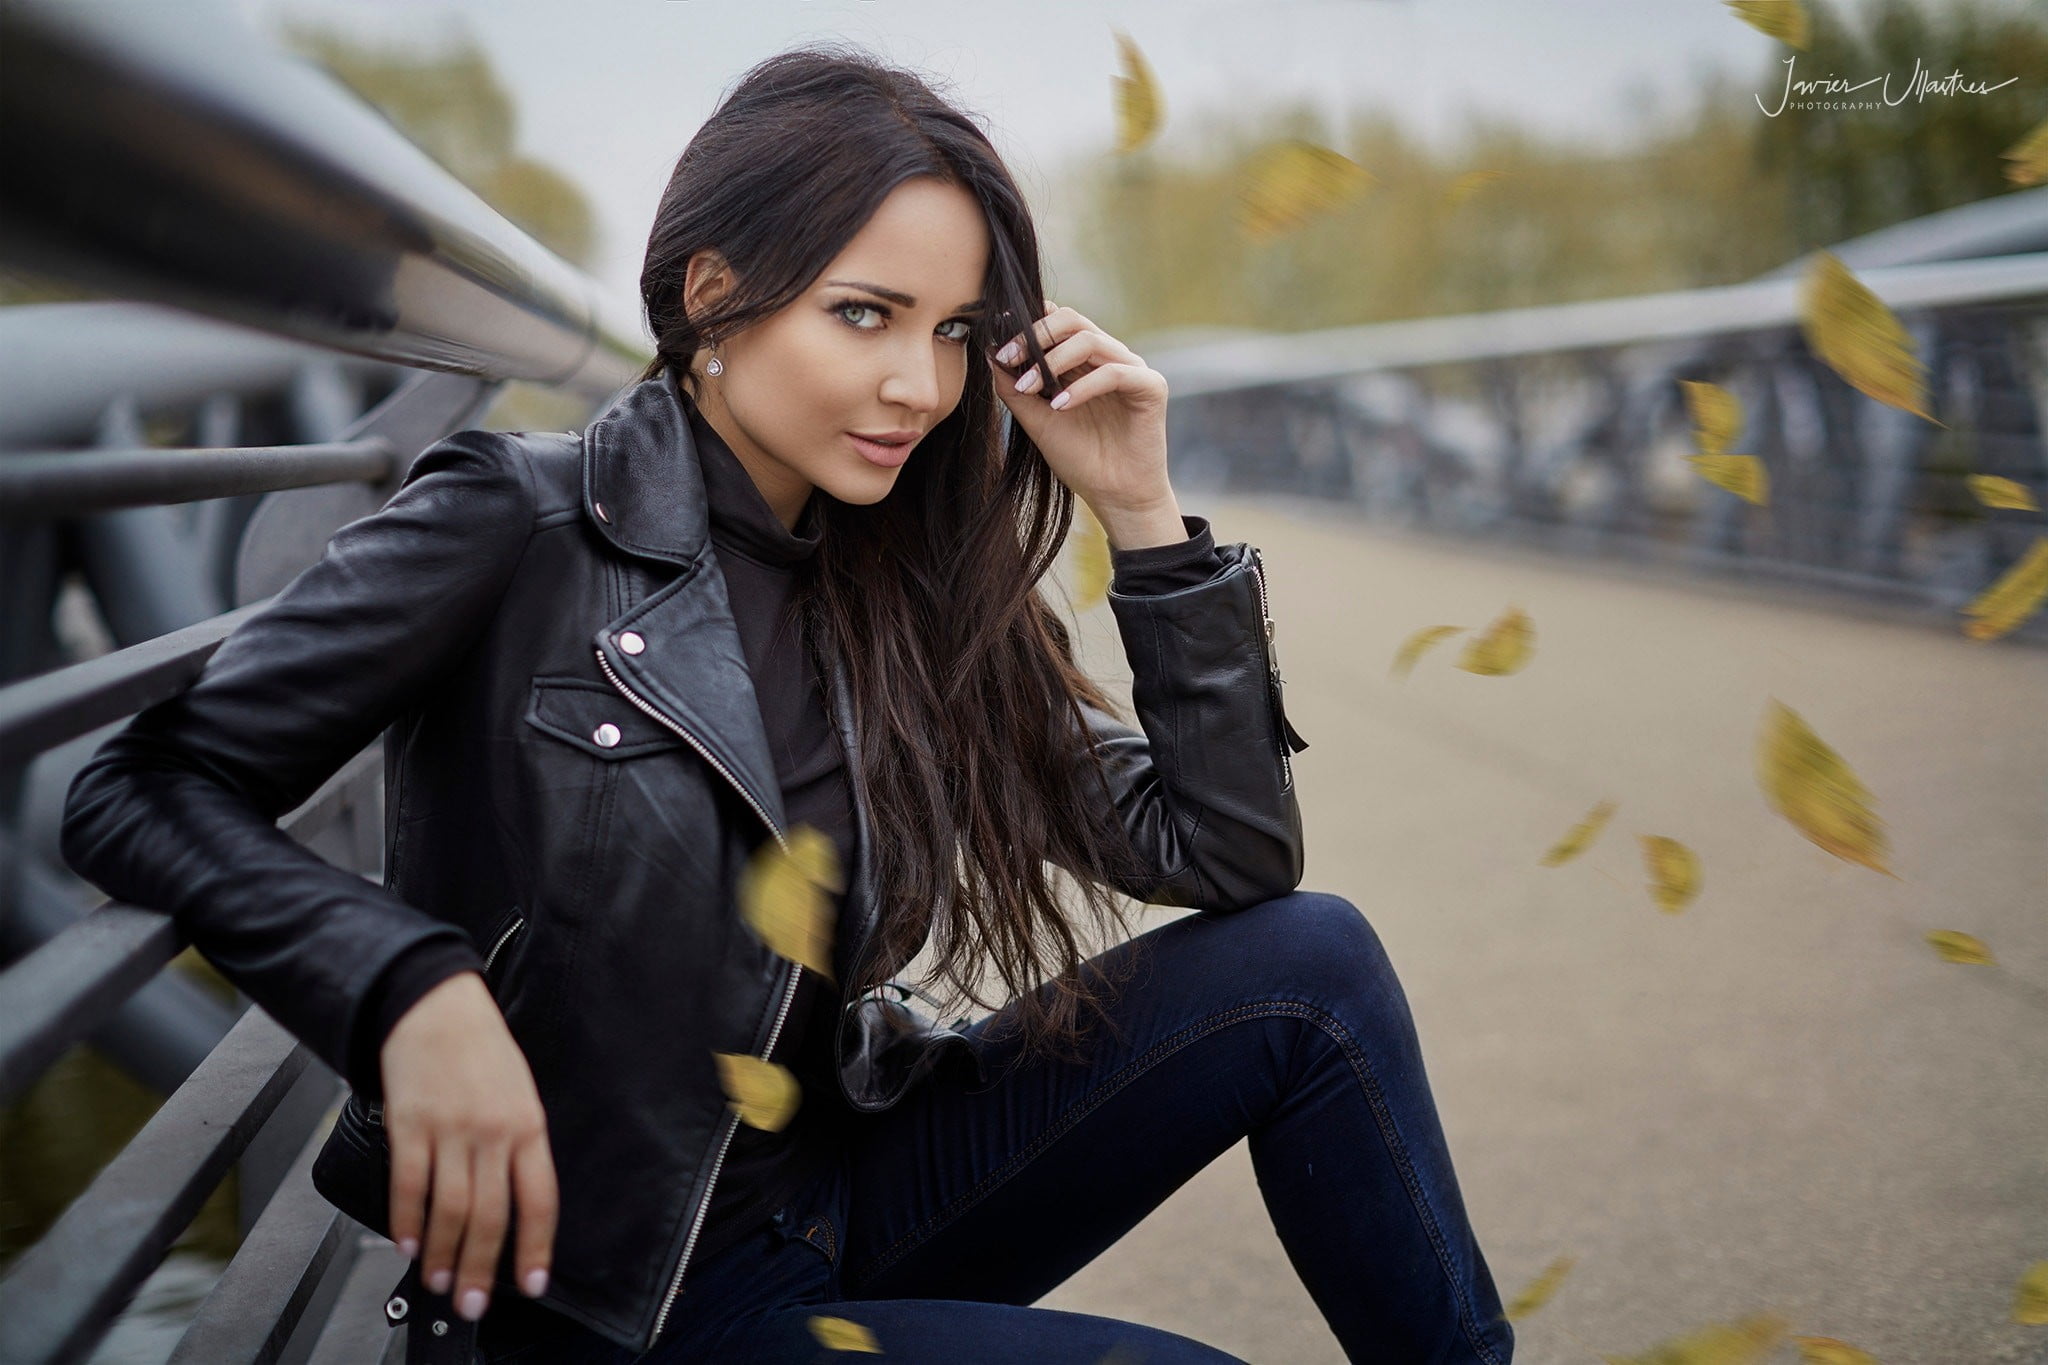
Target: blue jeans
948, 1215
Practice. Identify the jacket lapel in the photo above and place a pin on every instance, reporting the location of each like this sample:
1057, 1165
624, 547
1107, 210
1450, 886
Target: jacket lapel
678, 648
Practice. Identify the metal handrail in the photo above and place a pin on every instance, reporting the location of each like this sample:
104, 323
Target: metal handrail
276, 199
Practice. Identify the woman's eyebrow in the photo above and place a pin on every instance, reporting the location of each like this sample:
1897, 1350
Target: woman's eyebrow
907, 301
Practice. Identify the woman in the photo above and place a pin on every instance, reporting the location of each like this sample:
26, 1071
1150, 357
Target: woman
788, 581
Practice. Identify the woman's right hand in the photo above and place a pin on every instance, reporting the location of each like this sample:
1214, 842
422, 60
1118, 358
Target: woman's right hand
465, 1122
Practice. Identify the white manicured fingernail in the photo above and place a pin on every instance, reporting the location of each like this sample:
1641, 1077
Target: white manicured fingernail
536, 1282
440, 1280
473, 1303
1059, 400
409, 1247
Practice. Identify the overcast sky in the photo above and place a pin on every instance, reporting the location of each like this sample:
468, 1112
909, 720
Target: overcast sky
610, 91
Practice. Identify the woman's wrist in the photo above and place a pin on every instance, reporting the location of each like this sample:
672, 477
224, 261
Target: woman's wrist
1154, 522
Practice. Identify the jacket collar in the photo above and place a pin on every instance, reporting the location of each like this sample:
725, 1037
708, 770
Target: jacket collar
642, 486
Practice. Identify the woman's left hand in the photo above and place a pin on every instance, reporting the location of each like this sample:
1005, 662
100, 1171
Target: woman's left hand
1107, 442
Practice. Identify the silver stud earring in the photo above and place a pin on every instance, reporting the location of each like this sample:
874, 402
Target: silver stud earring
716, 366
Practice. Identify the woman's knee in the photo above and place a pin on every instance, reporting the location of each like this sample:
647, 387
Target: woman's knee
1316, 941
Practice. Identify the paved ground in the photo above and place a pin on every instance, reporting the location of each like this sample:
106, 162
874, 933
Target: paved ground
1779, 1098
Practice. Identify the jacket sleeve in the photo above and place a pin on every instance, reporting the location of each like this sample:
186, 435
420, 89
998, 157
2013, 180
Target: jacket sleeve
1204, 786
178, 811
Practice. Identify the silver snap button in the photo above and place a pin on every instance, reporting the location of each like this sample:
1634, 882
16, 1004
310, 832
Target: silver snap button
602, 515
606, 734
630, 641
397, 1308
440, 1328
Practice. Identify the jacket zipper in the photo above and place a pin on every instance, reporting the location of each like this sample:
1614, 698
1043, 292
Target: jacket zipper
518, 923
731, 1125
1283, 732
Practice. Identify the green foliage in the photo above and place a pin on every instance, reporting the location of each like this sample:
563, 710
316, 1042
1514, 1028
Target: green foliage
1716, 193
1851, 171
452, 105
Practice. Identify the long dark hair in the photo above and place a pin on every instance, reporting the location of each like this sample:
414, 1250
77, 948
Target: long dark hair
963, 676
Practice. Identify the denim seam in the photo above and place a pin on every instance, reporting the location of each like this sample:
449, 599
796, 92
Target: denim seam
1150, 1058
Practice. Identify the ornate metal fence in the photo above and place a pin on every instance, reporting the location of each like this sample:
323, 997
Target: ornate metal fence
317, 304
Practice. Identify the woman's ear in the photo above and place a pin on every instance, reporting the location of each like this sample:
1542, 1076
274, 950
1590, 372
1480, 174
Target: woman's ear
706, 280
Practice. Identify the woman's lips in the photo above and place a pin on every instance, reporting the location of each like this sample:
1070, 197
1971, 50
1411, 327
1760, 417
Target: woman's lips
874, 452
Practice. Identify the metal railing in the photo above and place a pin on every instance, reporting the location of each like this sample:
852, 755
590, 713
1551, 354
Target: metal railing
1566, 426
307, 278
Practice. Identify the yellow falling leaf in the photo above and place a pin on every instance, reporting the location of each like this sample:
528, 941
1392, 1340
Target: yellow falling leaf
1674, 872
1956, 946
1538, 1291
2001, 608
1810, 785
843, 1334
2029, 158
2030, 1297
1742, 1343
1290, 181
1831, 1351
1092, 564
1578, 836
783, 897
1716, 415
764, 1094
1993, 491
1413, 647
1468, 184
1859, 338
1784, 20
1140, 108
1502, 647
1742, 475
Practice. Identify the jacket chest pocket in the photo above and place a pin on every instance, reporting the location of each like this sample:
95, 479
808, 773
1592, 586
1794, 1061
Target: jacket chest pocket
596, 719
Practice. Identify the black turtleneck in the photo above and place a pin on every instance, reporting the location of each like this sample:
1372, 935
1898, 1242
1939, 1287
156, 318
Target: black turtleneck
760, 559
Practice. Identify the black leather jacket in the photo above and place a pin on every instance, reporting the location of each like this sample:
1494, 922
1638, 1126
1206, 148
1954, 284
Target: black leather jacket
575, 771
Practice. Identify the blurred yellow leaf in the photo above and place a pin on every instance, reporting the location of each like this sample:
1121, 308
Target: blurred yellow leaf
1292, 180
1860, 339
1831, 1351
1993, 491
1502, 647
1674, 872
2029, 157
1811, 786
1538, 1291
764, 1094
1412, 648
1092, 564
1741, 1343
2001, 608
782, 896
1742, 475
1580, 835
843, 1334
1468, 184
1956, 946
1716, 415
1140, 108
1784, 20
2030, 1298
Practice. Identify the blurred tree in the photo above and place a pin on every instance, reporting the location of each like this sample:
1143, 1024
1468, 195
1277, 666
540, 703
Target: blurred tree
1713, 193
1851, 171
451, 104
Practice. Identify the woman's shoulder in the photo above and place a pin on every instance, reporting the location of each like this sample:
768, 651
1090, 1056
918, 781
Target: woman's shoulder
548, 463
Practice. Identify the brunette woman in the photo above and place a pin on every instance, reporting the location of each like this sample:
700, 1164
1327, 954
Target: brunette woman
790, 581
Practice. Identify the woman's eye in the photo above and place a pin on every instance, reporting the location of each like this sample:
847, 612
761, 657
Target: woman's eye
961, 337
843, 308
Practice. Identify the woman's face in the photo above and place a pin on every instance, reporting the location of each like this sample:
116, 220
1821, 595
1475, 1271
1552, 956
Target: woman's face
879, 345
